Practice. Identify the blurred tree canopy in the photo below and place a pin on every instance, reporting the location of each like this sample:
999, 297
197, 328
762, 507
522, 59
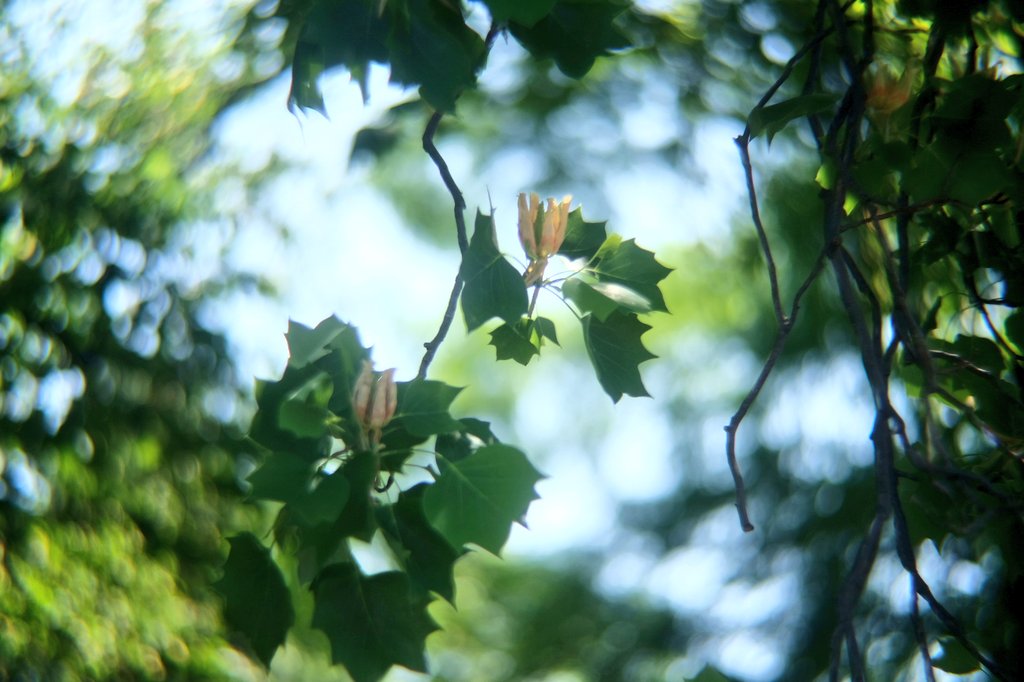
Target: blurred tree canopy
881, 146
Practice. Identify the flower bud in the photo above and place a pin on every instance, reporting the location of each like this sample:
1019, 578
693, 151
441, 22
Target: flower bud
385, 400
541, 232
374, 397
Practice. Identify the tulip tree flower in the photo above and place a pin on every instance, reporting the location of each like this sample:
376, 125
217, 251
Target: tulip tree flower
541, 232
374, 399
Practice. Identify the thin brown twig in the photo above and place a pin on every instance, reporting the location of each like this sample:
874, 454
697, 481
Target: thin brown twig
755, 390
460, 221
460, 234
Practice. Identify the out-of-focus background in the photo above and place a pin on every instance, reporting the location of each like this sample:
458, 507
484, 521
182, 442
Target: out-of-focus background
165, 214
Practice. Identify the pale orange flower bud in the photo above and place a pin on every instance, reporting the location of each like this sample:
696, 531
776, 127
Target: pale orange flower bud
374, 398
385, 400
541, 232
362, 391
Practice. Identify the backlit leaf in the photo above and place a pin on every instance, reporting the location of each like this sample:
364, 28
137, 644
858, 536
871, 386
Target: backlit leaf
306, 345
582, 239
635, 269
494, 288
575, 33
616, 351
515, 341
433, 47
423, 407
476, 499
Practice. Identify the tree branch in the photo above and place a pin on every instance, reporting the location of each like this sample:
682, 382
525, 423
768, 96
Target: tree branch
460, 234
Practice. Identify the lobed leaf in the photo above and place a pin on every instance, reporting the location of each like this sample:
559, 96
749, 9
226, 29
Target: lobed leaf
616, 351
371, 622
582, 239
256, 600
515, 341
494, 288
635, 269
524, 12
476, 499
424, 553
773, 118
423, 407
575, 33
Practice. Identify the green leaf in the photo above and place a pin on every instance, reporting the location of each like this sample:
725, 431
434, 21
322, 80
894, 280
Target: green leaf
773, 118
302, 419
433, 47
426, 556
515, 341
575, 33
976, 177
282, 476
350, 33
616, 351
423, 407
371, 622
494, 288
463, 443
524, 12
256, 600
1015, 328
603, 298
955, 658
546, 328
476, 499
635, 269
306, 345
323, 504
582, 239
356, 519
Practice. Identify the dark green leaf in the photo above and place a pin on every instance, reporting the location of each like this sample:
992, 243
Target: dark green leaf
582, 239
975, 177
324, 503
515, 341
350, 33
615, 349
434, 48
371, 622
427, 557
774, 117
494, 288
356, 519
603, 298
282, 476
256, 600
1015, 328
575, 33
423, 407
476, 499
634, 268
463, 443
302, 419
524, 12
955, 658
306, 345
546, 328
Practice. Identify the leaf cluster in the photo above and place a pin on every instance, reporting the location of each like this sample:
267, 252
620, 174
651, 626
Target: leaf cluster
615, 281
430, 44
336, 483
